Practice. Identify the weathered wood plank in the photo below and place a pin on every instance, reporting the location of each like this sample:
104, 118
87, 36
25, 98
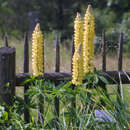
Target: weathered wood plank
26, 70
103, 52
103, 58
57, 65
26, 54
111, 76
6, 40
7, 74
120, 54
57, 69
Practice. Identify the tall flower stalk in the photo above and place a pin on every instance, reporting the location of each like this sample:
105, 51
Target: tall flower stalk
77, 71
88, 41
37, 51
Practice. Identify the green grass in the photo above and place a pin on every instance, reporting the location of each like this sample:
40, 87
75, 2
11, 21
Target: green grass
112, 89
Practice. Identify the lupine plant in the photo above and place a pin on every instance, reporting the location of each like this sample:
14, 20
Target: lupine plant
37, 51
83, 37
77, 75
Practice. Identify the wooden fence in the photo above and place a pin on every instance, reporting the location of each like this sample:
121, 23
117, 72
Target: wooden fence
8, 76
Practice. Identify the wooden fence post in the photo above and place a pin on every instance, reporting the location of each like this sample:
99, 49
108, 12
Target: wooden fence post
7, 74
26, 70
120, 54
57, 69
103, 57
103, 52
6, 40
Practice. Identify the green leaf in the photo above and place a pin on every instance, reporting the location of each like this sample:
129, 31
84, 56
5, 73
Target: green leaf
5, 116
104, 80
96, 79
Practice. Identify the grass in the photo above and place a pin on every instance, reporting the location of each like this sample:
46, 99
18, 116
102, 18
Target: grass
126, 90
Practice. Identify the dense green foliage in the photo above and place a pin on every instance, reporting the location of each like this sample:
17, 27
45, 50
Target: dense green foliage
59, 14
80, 118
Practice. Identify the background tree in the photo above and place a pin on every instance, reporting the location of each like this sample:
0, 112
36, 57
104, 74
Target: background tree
58, 15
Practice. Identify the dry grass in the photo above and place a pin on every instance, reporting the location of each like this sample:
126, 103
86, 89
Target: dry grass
65, 58
112, 62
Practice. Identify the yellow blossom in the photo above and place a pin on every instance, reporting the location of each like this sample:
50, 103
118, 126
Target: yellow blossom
77, 72
88, 41
78, 31
37, 52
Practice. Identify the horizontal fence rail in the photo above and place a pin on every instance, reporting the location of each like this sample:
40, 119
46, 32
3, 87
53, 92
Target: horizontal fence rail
112, 77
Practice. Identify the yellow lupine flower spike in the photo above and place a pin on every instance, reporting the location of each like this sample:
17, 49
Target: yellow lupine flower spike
77, 72
78, 31
88, 41
37, 51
